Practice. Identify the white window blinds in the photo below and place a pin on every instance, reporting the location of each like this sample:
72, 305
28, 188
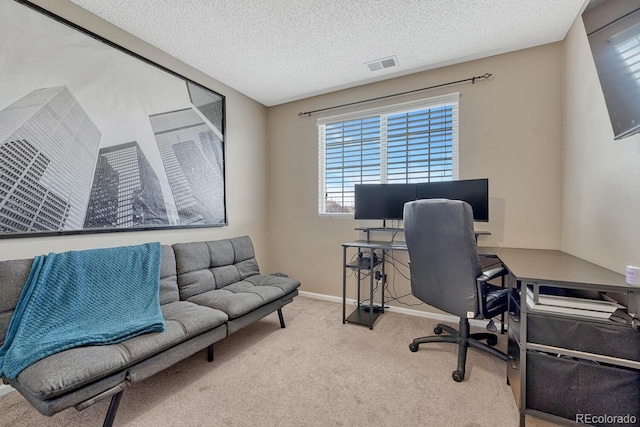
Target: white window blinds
410, 142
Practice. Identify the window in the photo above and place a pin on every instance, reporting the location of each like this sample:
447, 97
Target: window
403, 143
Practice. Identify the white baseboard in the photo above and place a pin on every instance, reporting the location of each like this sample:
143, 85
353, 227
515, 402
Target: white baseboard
5, 389
481, 323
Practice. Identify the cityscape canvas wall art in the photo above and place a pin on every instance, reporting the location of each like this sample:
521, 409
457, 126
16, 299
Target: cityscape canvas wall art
96, 139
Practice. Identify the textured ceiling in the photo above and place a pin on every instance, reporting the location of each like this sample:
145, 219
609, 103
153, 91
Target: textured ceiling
276, 51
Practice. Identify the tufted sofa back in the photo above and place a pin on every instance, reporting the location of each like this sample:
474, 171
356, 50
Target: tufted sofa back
13, 275
205, 266
168, 277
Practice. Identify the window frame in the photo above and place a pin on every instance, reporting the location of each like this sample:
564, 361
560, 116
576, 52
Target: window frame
450, 99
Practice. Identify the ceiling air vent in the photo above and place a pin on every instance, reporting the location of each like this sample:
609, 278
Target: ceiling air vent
379, 64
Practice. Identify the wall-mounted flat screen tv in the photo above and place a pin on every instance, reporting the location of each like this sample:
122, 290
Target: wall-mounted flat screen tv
613, 30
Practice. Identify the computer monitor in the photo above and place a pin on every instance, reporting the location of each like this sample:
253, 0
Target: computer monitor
473, 191
382, 201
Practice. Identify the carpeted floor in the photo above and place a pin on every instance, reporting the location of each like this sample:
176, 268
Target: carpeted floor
316, 372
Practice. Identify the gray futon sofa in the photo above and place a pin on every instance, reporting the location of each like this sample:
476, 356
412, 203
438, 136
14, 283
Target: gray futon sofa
208, 290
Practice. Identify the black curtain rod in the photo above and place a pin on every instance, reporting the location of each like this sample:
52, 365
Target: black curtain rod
470, 79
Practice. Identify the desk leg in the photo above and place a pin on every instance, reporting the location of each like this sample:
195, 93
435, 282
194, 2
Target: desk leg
344, 284
359, 277
523, 350
371, 310
502, 316
383, 280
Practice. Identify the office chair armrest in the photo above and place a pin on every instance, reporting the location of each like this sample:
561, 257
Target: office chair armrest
487, 292
491, 274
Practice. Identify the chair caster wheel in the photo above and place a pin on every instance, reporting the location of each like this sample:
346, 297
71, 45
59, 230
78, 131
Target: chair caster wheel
492, 341
457, 376
437, 330
413, 347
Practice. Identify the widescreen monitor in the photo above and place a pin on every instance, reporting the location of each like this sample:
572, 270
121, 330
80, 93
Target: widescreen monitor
382, 201
473, 191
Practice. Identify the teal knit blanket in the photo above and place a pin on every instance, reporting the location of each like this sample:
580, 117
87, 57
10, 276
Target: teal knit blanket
77, 298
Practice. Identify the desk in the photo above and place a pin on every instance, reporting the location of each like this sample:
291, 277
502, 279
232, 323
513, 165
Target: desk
364, 315
560, 366
395, 230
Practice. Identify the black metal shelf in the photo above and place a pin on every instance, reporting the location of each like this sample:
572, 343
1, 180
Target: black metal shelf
363, 264
363, 316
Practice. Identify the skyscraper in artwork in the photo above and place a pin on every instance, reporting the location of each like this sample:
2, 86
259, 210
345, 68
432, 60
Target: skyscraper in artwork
191, 153
126, 191
210, 105
48, 149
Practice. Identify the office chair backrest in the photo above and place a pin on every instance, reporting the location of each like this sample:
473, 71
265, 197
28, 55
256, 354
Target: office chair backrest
443, 254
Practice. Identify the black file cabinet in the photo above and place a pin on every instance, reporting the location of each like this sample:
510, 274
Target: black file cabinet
583, 390
575, 367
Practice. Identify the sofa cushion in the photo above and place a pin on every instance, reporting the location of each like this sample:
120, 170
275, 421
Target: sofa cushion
205, 266
246, 295
191, 320
65, 371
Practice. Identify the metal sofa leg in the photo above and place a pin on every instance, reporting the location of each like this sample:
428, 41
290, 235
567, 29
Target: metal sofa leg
281, 317
113, 408
210, 353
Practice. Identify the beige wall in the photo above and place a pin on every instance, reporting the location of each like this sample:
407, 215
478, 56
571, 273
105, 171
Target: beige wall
579, 196
600, 219
510, 132
246, 155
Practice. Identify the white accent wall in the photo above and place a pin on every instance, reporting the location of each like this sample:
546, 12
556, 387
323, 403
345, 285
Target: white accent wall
601, 202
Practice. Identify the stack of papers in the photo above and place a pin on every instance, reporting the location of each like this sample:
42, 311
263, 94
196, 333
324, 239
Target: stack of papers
595, 309
398, 244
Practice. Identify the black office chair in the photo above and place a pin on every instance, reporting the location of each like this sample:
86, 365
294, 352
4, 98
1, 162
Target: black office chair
446, 274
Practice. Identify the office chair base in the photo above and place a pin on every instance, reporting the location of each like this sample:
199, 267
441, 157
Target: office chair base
463, 338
